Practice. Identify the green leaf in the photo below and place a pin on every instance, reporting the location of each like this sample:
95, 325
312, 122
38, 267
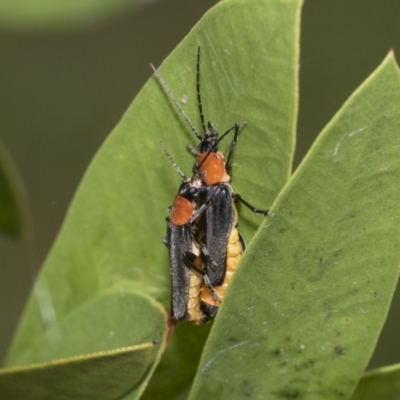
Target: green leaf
178, 365
382, 383
249, 59
23, 14
112, 234
111, 237
104, 375
15, 219
306, 306
115, 319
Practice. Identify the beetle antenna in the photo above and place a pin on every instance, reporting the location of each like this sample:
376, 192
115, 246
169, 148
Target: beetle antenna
171, 96
198, 91
192, 150
237, 125
172, 161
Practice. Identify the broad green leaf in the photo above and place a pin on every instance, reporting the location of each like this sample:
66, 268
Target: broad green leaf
15, 219
23, 14
249, 72
306, 306
115, 319
104, 375
382, 383
111, 237
178, 365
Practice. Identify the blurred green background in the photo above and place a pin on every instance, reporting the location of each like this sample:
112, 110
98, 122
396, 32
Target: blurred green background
64, 84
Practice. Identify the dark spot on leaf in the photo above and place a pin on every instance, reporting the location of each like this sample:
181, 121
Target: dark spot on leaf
309, 363
339, 350
288, 394
292, 284
246, 388
287, 338
282, 231
337, 333
338, 392
276, 352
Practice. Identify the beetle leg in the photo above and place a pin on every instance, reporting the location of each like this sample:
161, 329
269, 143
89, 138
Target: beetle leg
237, 127
237, 197
165, 240
190, 261
207, 282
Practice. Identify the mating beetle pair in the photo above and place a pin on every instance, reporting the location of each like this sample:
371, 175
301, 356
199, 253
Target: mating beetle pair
204, 243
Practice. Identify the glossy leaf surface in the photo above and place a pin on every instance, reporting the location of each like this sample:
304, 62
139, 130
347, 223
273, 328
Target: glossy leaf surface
306, 306
99, 376
113, 320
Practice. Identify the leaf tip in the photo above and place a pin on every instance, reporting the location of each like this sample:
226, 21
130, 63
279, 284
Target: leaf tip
390, 58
